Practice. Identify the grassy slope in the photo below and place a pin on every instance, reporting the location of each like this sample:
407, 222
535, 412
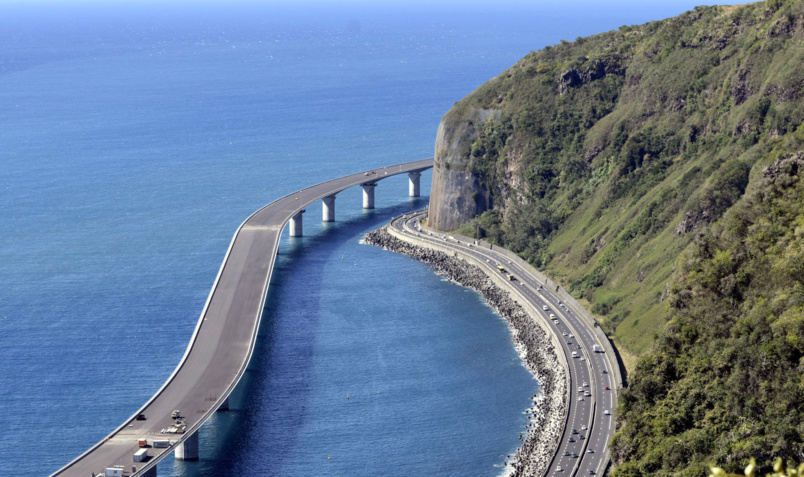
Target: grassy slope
663, 172
653, 122
725, 379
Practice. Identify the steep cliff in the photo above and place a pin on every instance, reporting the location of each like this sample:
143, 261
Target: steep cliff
656, 171
606, 156
456, 195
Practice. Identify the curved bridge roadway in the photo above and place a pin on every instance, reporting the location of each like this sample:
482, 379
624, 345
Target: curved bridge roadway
224, 338
593, 393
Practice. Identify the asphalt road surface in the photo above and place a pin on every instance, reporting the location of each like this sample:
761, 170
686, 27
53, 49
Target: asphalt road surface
223, 341
593, 397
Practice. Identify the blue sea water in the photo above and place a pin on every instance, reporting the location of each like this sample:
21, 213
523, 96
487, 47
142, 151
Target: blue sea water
134, 139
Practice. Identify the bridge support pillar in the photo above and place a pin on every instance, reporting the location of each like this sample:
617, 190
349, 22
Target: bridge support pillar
413, 183
188, 450
368, 195
224, 405
296, 226
328, 208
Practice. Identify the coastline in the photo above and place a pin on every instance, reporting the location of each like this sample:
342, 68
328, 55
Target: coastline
545, 424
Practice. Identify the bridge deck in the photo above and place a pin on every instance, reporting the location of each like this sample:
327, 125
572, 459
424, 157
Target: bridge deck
224, 338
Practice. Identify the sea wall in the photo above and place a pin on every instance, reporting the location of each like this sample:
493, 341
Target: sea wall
547, 415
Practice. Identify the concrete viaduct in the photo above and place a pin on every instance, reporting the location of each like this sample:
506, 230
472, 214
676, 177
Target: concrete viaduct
224, 337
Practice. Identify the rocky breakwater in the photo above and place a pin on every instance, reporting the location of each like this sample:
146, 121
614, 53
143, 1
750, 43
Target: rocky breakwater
545, 425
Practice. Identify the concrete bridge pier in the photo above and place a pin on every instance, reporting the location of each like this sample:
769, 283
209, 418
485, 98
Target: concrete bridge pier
188, 450
413, 183
368, 195
328, 208
296, 226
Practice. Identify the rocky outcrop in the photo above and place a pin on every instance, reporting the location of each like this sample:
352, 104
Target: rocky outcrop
574, 78
786, 168
456, 195
692, 220
546, 415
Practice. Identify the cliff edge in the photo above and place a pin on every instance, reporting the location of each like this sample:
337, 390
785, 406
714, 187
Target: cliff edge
655, 172
456, 195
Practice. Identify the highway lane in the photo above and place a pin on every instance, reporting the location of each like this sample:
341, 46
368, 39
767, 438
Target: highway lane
582, 449
223, 341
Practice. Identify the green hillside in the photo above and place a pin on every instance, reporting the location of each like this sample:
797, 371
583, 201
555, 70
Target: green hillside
724, 380
611, 152
654, 171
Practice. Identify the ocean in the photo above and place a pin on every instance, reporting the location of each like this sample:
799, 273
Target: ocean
137, 136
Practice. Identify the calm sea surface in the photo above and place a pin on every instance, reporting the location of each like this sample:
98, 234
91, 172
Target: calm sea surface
134, 139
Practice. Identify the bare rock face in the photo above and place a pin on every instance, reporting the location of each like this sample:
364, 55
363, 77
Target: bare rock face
692, 220
456, 196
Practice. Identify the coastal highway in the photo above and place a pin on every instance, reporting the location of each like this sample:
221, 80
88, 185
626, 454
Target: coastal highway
593, 393
224, 338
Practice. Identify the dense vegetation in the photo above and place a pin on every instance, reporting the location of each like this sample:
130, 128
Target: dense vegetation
725, 379
655, 171
611, 150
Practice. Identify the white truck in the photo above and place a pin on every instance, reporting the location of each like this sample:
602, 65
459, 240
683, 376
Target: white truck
116, 471
161, 442
597, 349
141, 455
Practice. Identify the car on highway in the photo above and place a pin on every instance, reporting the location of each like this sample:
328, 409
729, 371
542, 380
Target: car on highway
605, 372
580, 398
606, 412
606, 388
572, 439
590, 451
583, 428
545, 308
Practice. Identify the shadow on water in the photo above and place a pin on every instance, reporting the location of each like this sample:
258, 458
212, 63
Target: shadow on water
275, 389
